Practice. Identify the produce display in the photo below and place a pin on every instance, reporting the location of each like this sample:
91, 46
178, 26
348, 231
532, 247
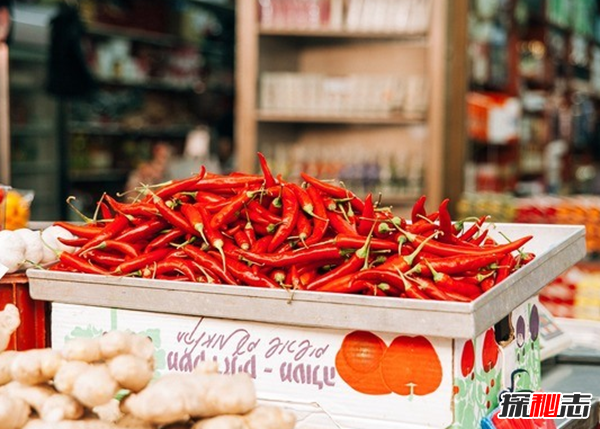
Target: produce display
263, 231
78, 387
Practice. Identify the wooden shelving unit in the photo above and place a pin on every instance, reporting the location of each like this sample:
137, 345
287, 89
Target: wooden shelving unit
430, 137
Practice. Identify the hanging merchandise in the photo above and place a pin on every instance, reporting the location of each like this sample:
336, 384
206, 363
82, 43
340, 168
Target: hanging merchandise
68, 72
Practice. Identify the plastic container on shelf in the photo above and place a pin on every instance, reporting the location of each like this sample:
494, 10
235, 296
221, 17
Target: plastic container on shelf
34, 329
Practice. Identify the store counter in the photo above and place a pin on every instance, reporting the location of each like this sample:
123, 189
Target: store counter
574, 373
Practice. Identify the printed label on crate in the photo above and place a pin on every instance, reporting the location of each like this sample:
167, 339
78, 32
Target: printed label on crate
348, 375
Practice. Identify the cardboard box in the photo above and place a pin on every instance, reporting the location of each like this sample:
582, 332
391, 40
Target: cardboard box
355, 362
337, 378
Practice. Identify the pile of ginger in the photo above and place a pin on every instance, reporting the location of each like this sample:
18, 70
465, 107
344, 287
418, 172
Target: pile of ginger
77, 387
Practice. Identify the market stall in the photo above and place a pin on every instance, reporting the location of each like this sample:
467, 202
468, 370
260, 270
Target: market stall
340, 311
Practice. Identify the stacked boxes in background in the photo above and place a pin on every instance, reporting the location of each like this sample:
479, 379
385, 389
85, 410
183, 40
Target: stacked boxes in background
316, 94
390, 16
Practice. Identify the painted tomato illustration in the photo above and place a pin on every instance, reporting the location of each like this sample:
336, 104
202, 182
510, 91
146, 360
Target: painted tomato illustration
358, 362
489, 354
467, 360
411, 365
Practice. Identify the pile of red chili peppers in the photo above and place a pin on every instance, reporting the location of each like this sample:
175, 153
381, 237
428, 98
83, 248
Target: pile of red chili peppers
259, 230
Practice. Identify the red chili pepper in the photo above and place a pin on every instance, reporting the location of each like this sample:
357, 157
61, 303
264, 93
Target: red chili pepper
288, 218
367, 218
345, 241
480, 238
249, 231
323, 254
275, 206
164, 240
303, 198
352, 265
115, 227
421, 227
261, 245
86, 231
293, 278
139, 209
241, 239
418, 210
213, 236
343, 284
258, 214
269, 179
226, 182
469, 233
231, 210
445, 223
304, 227
121, 247
206, 260
443, 249
382, 276
174, 218
339, 224
448, 284
176, 265
208, 198
142, 261
73, 242
105, 259
175, 186
246, 276
105, 210
455, 265
320, 221
80, 264
143, 231
487, 284
505, 267
430, 289
335, 192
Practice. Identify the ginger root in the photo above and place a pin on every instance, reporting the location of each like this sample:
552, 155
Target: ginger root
261, 417
35, 366
14, 412
6, 359
9, 322
178, 397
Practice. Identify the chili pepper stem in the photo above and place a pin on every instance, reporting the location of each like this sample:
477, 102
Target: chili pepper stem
425, 218
76, 210
94, 219
435, 274
410, 259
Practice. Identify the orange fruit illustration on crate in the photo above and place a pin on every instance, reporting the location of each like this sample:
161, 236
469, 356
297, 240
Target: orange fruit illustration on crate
358, 362
411, 366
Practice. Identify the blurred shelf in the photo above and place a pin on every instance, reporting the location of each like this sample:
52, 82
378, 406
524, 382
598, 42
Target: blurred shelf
149, 37
98, 175
355, 118
31, 131
33, 168
153, 85
218, 8
328, 33
151, 131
